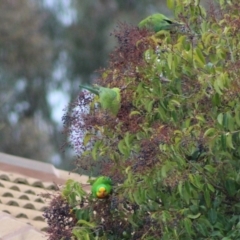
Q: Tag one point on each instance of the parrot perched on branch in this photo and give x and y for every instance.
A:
(102, 187)
(109, 98)
(157, 22)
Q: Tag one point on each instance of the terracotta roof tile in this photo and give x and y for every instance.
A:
(23, 201)
(22, 181)
(12, 229)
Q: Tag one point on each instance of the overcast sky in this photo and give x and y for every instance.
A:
(63, 8)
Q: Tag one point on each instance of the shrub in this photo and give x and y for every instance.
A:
(173, 150)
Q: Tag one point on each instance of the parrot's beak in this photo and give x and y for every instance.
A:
(102, 193)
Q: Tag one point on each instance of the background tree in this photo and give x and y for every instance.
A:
(25, 63)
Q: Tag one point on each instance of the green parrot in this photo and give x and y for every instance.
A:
(102, 187)
(109, 98)
(157, 22)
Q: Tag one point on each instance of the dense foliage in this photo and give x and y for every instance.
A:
(173, 150)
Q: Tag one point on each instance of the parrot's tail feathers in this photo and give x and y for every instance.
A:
(89, 88)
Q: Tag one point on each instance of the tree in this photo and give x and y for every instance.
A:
(25, 64)
(173, 150)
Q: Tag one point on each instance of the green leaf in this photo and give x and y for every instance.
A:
(210, 169)
(174, 116)
(180, 185)
(96, 149)
(212, 216)
(127, 139)
(186, 191)
(217, 87)
(191, 216)
(165, 168)
(175, 102)
(237, 116)
(229, 121)
(86, 223)
(199, 57)
(224, 141)
(217, 235)
(149, 105)
(123, 148)
(137, 197)
(210, 187)
(195, 180)
(209, 132)
(220, 118)
(135, 113)
(230, 186)
(188, 225)
(81, 233)
(170, 60)
(229, 141)
(207, 197)
(87, 138)
(200, 118)
(162, 113)
(225, 120)
(204, 225)
(165, 216)
(216, 100)
(202, 229)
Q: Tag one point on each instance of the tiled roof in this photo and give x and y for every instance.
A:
(13, 229)
(22, 181)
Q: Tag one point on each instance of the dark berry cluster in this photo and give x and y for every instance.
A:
(107, 216)
(130, 47)
(60, 219)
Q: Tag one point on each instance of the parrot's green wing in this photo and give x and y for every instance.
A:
(102, 187)
(157, 22)
(109, 98)
(103, 180)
